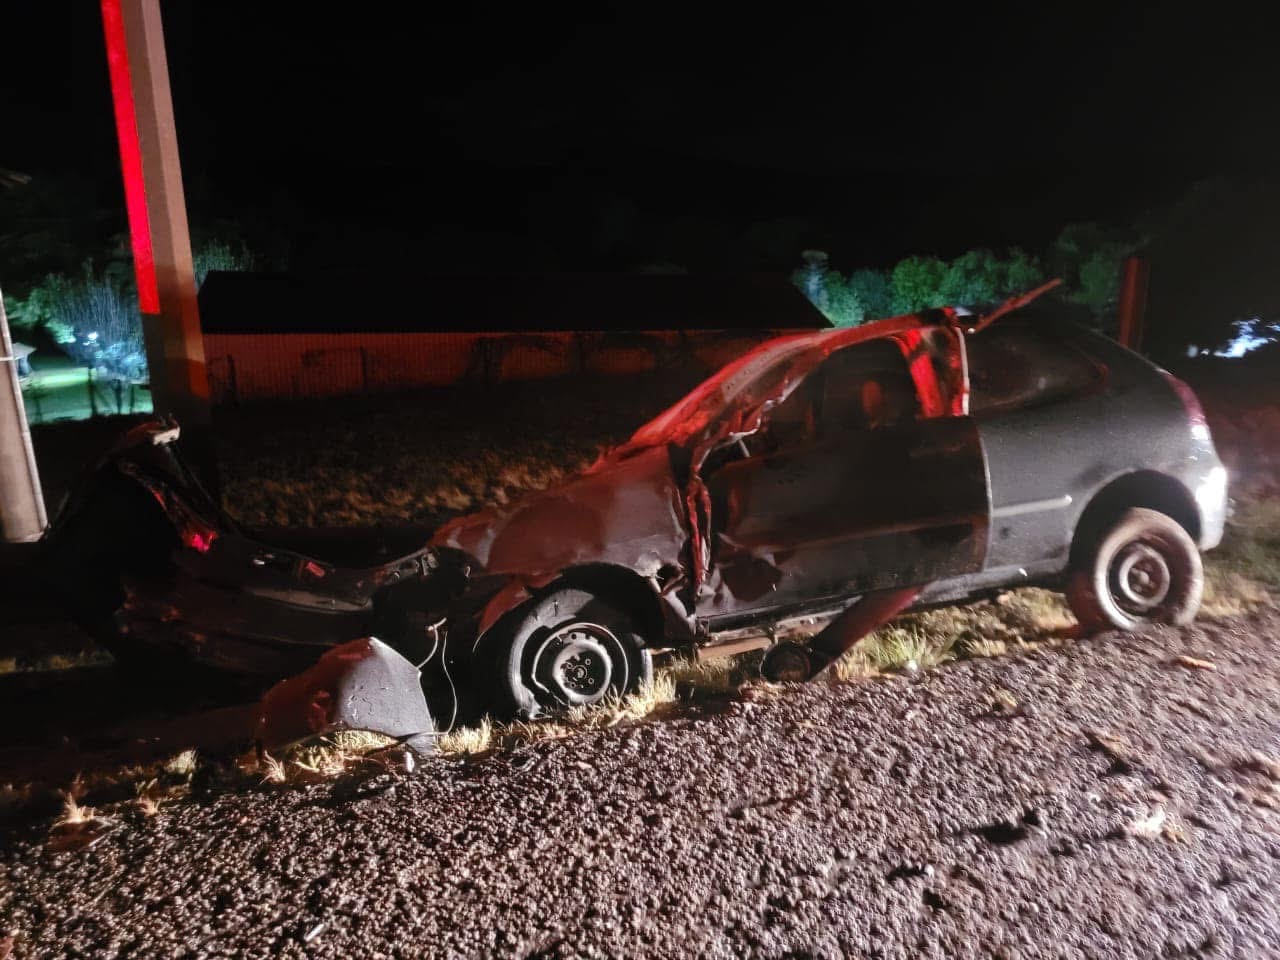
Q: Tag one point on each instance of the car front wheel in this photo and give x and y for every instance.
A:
(1144, 569)
(565, 649)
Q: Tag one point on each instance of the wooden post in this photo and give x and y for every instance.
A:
(22, 512)
(1133, 302)
(157, 211)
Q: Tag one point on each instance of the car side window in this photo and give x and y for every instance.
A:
(861, 387)
(1015, 367)
(866, 386)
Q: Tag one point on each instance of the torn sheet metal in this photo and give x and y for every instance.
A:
(625, 511)
(149, 562)
(361, 685)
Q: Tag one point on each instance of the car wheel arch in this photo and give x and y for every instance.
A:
(599, 598)
(630, 592)
(1149, 489)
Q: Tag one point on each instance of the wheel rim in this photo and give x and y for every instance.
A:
(579, 664)
(1140, 579)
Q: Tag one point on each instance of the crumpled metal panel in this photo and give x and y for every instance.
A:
(361, 685)
(647, 504)
(626, 512)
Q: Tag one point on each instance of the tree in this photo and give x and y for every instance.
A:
(828, 290)
(809, 278)
(1098, 280)
(50, 225)
(219, 255)
(873, 291)
(917, 284)
(1089, 261)
(107, 328)
(1021, 273)
(972, 279)
(844, 307)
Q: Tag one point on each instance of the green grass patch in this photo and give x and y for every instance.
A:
(1243, 574)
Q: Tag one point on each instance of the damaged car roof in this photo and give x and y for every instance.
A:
(768, 373)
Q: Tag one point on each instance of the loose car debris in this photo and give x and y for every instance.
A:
(1194, 663)
(361, 685)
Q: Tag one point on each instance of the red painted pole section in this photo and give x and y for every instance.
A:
(135, 196)
(1133, 302)
(139, 70)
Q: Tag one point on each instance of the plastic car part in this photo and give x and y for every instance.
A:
(360, 685)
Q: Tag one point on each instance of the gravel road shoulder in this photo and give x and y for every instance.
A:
(1112, 798)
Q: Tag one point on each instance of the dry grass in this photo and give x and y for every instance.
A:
(1242, 575)
(184, 764)
(715, 677)
(921, 641)
(150, 795)
(323, 758)
(1240, 578)
(320, 762)
(468, 740)
(73, 814)
(614, 711)
(89, 657)
(360, 742)
(1003, 700)
(907, 647)
(272, 770)
(1230, 594)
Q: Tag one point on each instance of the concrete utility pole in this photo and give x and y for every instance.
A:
(22, 513)
(154, 198)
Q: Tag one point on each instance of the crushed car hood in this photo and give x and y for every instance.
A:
(626, 510)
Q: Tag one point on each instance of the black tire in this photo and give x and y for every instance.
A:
(564, 649)
(787, 662)
(1144, 569)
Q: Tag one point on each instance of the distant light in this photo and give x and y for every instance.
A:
(93, 335)
(1250, 335)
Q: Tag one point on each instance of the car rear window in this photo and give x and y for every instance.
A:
(1014, 367)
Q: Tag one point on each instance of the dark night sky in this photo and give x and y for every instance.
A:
(656, 136)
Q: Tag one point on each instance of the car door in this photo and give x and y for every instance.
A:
(1042, 419)
(863, 479)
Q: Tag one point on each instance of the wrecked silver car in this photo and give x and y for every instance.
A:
(917, 460)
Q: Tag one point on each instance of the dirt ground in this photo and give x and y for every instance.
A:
(1102, 800)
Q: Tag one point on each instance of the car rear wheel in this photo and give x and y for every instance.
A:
(568, 648)
(1144, 569)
